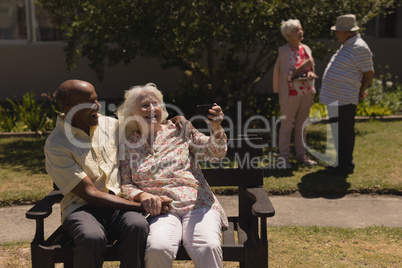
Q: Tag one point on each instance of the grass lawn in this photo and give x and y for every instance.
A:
(290, 247)
(378, 149)
(23, 177)
(377, 157)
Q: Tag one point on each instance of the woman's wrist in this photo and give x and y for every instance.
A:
(218, 133)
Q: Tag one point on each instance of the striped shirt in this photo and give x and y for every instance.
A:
(342, 77)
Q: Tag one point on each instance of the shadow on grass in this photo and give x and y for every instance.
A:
(23, 155)
(317, 140)
(278, 173)
(323, 184)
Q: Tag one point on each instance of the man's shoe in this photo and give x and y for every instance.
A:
(331, 168)
(339, 171)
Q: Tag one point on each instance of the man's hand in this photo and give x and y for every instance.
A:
(165, 204)
(153, 204)
(179, 121)
(183, 124)
(367, 77)
(362, 95)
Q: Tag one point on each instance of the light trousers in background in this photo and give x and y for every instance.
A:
(295, 113)
(91, 226)
(200, 230)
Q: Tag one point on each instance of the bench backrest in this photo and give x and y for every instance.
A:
(245, 152)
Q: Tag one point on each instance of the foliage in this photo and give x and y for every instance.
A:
(318, 110)
(363, 109)
(6, 120)
(29, 112)
(51, 108)
(384, 97)
(225, 48)
(26, 115)
(264, 104)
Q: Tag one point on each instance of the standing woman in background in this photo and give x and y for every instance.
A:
(294, 81)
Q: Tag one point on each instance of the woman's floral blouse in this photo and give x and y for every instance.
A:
(299, 87)
(170, 168)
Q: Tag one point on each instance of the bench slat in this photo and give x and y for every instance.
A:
(228, 236)
(233, 177)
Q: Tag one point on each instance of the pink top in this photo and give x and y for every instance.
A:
(299, 87)
(170, 168)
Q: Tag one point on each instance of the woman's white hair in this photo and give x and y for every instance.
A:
(288, 26)
(126, 110)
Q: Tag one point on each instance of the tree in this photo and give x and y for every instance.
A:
(225, 48)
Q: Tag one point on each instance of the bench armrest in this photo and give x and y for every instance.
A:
(262, 206)
(43, 208)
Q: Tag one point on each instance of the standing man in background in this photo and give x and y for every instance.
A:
(345, 80)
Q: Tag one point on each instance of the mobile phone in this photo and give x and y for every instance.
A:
(203, 109)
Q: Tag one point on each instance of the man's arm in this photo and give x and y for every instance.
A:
(367, 77)
(87, 191)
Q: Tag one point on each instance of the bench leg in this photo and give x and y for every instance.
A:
(41, 258)
(68, 265)
(256, 257)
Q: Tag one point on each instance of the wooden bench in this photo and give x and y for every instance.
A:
(245, 241)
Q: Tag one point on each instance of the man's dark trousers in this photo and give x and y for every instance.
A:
(91, 226)
(344, 134)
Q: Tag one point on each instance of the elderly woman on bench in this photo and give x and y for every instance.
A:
(158, 162)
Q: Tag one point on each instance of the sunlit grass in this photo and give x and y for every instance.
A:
(290, 247)
(335, 247)
(23, 178)
(377, 158)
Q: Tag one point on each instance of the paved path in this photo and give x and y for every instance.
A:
(349, 211)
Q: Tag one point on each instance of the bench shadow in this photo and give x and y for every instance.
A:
(323, 184)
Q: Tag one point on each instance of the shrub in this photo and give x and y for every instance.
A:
(27, 115)
(318, 110)
(6, 120)
(384, 97)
